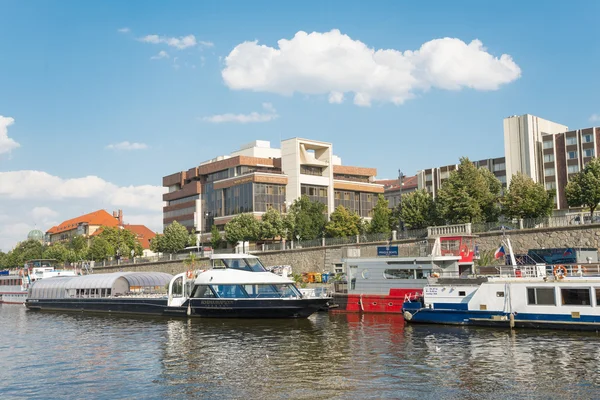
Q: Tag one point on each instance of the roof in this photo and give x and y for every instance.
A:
(143, 234)
(230, 276)
(231, 256)
(409, 182)
(100, 217)
(55, 288)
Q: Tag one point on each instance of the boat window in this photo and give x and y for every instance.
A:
(229, 291)
(541, 296)
(575, 297)
(598, 297)
(202, 291)
(270, 291)
(177, 290)
(255, 265)
(405, 274)
(462, 293)
(499, 294)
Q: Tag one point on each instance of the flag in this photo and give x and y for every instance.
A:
(567, 253)
(500, 252)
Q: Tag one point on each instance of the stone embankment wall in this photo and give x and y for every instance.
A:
(322, 259)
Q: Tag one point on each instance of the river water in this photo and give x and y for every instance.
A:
(341, 356)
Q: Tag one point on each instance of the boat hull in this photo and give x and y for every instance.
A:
(414, 313)
(199, 308)
(372, 303)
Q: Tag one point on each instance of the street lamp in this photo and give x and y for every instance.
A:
(400, 183)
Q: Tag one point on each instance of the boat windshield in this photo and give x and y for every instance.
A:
(245, 264)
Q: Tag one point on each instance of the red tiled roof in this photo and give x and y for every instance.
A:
(409, 182)
(100, 217)
(143, 233)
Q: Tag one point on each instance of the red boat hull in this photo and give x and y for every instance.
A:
(374, 303)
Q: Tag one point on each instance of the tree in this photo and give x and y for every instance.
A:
(380, 223)
(468, 195)
(78, 243)
(3, 260)
(191, 261)
(271, 225)
(583, 189)
(307, 219)
(242, 228)
(121, 241)
(526, 199)
(100, 249)
(215, 237)
(157, 244)
(27, 250)
(57, 251)
(417, 210)
(175, 238)
(343, 223)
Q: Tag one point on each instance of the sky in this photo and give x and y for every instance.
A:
(100, 100)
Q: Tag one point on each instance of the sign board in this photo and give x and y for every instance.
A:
(387, 251)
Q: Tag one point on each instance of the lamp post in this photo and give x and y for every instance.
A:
(400, 184)
(204, 229)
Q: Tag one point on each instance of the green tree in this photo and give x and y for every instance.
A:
(491, 202)
(122, 241)
(27, 250)
(343, 223)
(3, 260)
(57, 251)
(157, 244)
(308, 219)
(175, 238)
(526, 199)
(215, 237)
(583, 189)
(242, 228)
(380, 223)
(417, 210)
(271, 225)
(100, 249)
(191, 261)
(468, 195)
(78, 243)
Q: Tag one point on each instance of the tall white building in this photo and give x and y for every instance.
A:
(523, 147)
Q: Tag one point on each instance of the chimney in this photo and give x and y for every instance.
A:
(121, 217)
(114, 214)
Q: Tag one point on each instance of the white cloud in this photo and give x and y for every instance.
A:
(38, 199)
(593, 118)
(336, 97)
(161, 54)
(124, 30)
(269, 115)
(127, 146)
(333, 63)
(6, 144)
(182, 42)
(206, 44)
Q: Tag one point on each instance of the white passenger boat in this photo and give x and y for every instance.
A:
(539, 296)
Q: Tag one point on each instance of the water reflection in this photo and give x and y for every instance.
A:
(326, 356)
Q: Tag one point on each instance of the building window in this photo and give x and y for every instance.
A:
(541, 296)
(548, 144)
(588, 153)
(575, 297)
(550, 185)
(337, 195)
(444, 175)
(502, 178)
(323, 192)
(428, 177)
(571, 169)
(549, 172)
(310, 170)
(548, 157)
(572, 155)
(588, 138)
(499, 167)
(346, 195)
(571, 140)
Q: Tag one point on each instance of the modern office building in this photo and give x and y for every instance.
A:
(523, 144)
(565, 154)
(257, 177)
(432, 179)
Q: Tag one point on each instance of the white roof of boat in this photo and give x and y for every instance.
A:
(100, 281)
(231, 256)
(229, 276)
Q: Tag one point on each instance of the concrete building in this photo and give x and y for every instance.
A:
(392, 190)
(523, 144)
(257, 176)
(432, 179)
(565, 154)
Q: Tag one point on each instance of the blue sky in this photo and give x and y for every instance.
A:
(73, 84)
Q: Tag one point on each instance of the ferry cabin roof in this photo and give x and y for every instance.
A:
(99, 285)
(236, 277)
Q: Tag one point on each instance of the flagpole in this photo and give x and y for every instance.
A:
(506, 240)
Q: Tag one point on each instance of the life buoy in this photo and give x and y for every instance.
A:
(560, 268)
(435, 275)
(190, 274)
(582, 269)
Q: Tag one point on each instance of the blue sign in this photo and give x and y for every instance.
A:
(387, 251)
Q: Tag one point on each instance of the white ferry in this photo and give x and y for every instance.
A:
(540, 296)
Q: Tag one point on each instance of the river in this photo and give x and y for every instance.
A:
(341, 356)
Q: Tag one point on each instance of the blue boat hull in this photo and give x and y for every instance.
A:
(415, 313)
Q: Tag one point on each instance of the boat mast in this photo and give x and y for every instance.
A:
(506, 241)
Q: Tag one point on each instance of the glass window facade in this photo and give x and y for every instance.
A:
(177, 213)
(310, 170)
(549, 172)
(314, 193)
(548, 157)
(571, 169)
(572, 155)
(588, 153)
(238, 199)
(588, 138)
(571, 140)
(548, 144)
(183, 200)
(268, 195)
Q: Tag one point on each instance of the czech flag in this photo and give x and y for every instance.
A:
(567, 253)
(500, 252)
